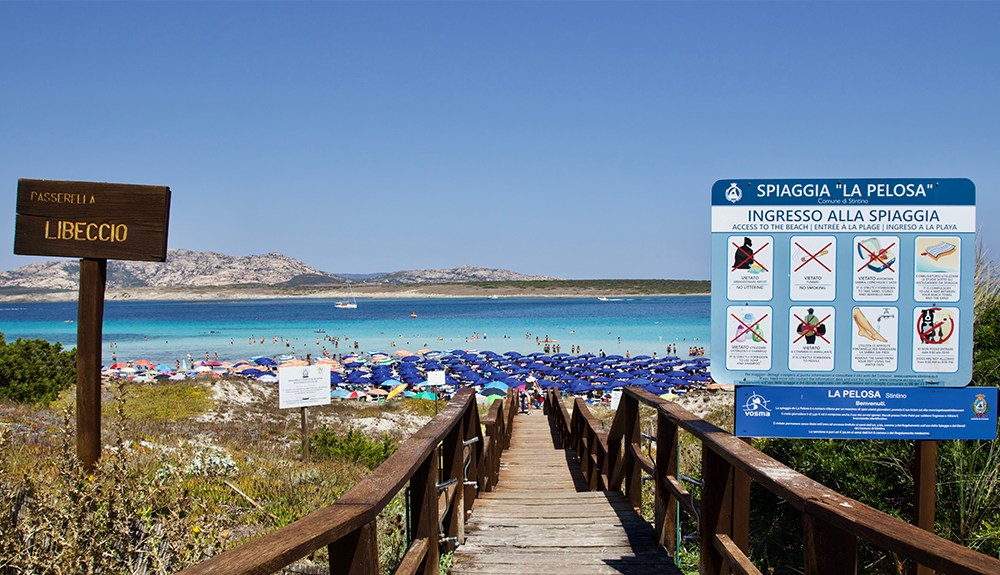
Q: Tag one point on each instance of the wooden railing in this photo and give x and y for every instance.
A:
(446, 464)
(831, 523)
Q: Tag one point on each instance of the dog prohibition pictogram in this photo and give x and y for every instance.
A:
(934, 332)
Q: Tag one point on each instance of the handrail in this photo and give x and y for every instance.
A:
(831, 522)
(347, 527)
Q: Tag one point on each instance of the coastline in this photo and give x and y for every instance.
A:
(409, 291)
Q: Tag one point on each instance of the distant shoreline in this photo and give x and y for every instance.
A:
(414, 291)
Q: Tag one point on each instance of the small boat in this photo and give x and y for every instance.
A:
(414, 314)
(602, 298)
(350, 303)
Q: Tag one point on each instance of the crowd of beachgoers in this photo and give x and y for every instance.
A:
(381, 376)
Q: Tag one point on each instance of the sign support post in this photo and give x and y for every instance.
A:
(924, 489)
(305, 436)
(90, 318)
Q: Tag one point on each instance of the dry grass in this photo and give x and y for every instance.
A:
(166, 491)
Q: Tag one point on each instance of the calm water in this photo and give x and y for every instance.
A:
(168, 331)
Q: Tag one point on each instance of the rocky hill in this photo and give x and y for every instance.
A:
(188, 268)
(453, 275)
(182, 268)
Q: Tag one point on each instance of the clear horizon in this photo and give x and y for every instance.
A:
(576, 140)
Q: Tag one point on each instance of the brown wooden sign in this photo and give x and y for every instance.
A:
(92, 220)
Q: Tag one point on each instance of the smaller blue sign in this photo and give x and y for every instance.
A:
(847, 412)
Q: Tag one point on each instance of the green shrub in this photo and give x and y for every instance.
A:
(354, 447)
(875, 472)
(35, 371)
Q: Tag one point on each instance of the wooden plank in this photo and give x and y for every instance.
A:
(413, 559)
(607, 567)
(483, 520)
(735, 557)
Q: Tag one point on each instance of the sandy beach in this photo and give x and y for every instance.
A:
(420, 291)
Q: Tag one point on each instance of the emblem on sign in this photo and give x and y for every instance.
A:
(980, 407)
(734, 194)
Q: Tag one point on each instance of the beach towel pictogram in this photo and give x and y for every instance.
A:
(939, 250)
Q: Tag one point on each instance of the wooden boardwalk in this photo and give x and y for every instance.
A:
(542, 519)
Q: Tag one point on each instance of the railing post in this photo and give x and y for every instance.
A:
(741, 507)
(716, 509)
(633, 436)
(453, 448)
(924, 490)
(356, 553)
(424, 510)
(664, 506)
(474, 476)
(827, 549)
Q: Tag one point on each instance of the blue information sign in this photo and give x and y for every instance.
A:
(843, 282)
(835, 412)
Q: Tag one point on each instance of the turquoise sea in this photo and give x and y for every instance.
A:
(165, 332)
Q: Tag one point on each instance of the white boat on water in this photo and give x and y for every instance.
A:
(350, 303)
(602, 298)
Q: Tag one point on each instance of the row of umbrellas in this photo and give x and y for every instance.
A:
(379, 375)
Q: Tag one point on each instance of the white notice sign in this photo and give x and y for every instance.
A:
(303, 386)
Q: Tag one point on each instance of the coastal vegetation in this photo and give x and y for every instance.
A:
(186, 472)
(34, 370)
(605, 287)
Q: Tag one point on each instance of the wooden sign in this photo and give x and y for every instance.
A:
(92, 220)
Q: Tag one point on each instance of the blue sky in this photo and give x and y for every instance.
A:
(578, 140)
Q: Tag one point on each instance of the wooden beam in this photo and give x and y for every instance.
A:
(90, 320)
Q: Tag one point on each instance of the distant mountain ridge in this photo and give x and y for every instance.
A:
(454, 275)
(192, 268)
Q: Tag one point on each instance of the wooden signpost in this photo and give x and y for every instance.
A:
(95, 222)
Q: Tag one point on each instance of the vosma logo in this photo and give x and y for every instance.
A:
(756, 406)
